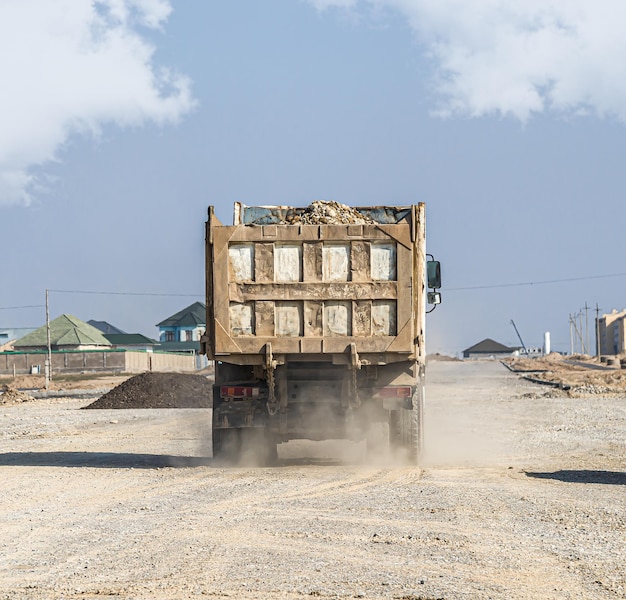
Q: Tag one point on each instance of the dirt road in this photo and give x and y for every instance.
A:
(519, 497)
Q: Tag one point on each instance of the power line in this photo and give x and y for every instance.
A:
(104, 293)
(19, 307)
(544, 282)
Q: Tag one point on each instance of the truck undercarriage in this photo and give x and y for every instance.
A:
(317, 401)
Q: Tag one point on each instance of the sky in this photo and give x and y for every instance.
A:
(123, 120)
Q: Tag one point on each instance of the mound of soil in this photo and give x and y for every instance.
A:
(12, 396)
(159, 390)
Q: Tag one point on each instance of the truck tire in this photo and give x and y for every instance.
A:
(416, 425)
(406, 429)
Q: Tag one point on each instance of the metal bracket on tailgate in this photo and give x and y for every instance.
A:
(355, 364)
(270, 367)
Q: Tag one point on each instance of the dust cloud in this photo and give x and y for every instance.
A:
(463, 433)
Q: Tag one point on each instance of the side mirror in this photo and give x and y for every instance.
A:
(433, 272)
(433, 298)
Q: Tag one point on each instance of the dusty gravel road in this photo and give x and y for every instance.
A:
(518, 498)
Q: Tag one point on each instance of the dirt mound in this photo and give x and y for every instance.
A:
(12, 396)
(580, 375)
(159, 390)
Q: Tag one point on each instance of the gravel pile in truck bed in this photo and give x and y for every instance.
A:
(328, 212)
(159, 390)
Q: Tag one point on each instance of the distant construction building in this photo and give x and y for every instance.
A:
(611, 330)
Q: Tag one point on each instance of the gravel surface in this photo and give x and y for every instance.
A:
(520, 496)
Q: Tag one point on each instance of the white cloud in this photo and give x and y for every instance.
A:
(71, 66)
(519, 58)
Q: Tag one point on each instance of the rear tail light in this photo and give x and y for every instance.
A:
(395, 391)
(239, 391)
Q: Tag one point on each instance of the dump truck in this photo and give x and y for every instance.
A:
(315, 323)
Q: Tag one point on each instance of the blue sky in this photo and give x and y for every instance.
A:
(124, 119)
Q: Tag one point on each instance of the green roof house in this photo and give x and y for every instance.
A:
(131, 341)
(186, 325)
(66, 333)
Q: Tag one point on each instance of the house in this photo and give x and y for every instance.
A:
(105, 327)
(489, 348)
(9, 334)
(77, 347)
(181, 332)
(187, 325)
(66, 333)
(132, 341)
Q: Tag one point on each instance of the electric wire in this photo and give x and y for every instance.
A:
(106, 293)
(20, 307)
(526, 283)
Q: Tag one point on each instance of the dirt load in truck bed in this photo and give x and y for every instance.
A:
(159, 390)
(328, 212)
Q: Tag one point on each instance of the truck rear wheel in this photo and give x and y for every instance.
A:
(416, 425)
(406, 429)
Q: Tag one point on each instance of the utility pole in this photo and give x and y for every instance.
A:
(576, 331)
(597, 332)
(48, 363)
(580, 331)
(571, 336)
(587, 327)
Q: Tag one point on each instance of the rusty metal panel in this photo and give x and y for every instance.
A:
(336, 262)
(362, 318)
(312, 261)
(313, 318)
(384, 318)
(264, 318)
(256, 346)
(383, 261)
(355, 230)
(405, 298)
(263, 262)
(288, 319)
(360, 261)
(419, 279)
(241, 262)
(311, 345)
(247, 292)
(309, 233)
(341, 345)
(337, 318)
(241, 318)
(287, 262)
